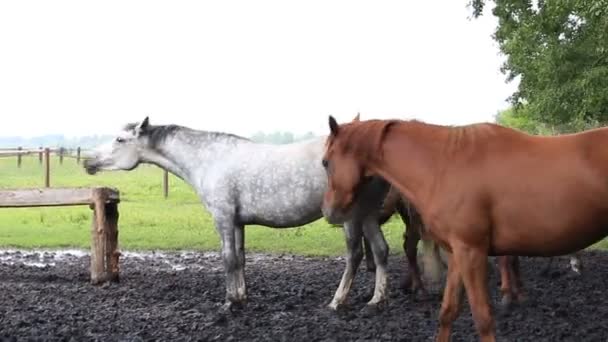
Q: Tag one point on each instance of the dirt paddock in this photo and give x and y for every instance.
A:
(45, 296)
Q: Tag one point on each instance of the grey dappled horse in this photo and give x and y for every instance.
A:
(241, 183)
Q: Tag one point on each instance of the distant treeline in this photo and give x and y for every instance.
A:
(58, 140)
(54, 140)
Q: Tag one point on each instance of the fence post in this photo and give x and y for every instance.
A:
(40, 155)
(61, 151)
(47, 167)
(166, 183)
(19, 156)
(78, 155)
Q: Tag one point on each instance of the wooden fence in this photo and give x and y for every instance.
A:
(44, 158)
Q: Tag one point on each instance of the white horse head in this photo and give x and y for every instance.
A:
(124, 152)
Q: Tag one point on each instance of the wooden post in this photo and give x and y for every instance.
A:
(61, 151)
(104, 239)
(40, 155)
(166, 183)
(47, 167)
(112, 253)
(78, 155)
(19, 156)
(98, 238)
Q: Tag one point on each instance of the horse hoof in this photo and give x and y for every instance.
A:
(374, 309)
(522, 299)
(405, 284)
(232, 307)
(338, 307)
(506, 301)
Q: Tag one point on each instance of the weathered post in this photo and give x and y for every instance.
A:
(166, 183)
(78, 155)
(40, 155)
(61, 152)
(47, 167)
(104, 239)
(98, 237)
(112, 253)
(19, 156)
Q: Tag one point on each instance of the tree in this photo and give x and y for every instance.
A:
(559, 50)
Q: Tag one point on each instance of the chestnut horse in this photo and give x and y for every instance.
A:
(511, 287)
(481, 189)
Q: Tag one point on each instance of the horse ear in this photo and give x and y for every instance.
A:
(356, 119)
(333, 126)
(143, 126)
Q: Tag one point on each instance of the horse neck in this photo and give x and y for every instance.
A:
(411, 160)
(189, 154)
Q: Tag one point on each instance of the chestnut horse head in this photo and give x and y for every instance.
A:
(344, 163)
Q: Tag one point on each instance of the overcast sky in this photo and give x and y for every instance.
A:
(86, 67)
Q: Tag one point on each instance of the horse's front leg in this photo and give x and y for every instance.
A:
(372, 232)
(354, 254)
(233, 265)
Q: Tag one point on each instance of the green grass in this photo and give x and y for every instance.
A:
(148, 221)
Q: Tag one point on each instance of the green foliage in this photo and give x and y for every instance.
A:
(559, 51)
(147, 220)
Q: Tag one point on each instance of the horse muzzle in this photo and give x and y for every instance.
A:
(91, 166)
(334, 215)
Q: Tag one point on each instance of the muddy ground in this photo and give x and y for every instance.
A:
(173, 297)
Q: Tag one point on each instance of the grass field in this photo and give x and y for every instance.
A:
(148, 221)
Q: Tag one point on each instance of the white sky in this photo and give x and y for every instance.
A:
(84, 67)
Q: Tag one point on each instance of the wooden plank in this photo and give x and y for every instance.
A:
(15, 198)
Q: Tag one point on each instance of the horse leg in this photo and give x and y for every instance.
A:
(575, 263)
(451, 305)
(432, 265)
(474, 270)
(354, 255)
(504, 263)
(372, 232)
(518, 286)
(239, 235)
(369, 256)
(235, 278)
(411, 281)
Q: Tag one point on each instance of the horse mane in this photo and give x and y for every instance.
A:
(355, 137)
(157, 134)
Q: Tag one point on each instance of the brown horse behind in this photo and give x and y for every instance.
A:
(481, 190)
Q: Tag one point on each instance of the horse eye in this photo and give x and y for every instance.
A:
(120, 140)
(325, 163)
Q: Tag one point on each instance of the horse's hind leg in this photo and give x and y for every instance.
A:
(369, 256)
(372, 232)
(354, 255)
(504, 263)
(412, 280)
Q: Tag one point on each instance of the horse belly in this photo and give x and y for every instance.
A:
(548, 232)
(282, 209)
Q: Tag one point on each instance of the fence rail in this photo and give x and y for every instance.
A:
(44, 157)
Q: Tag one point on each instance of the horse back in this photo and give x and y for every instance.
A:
(535, 195)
